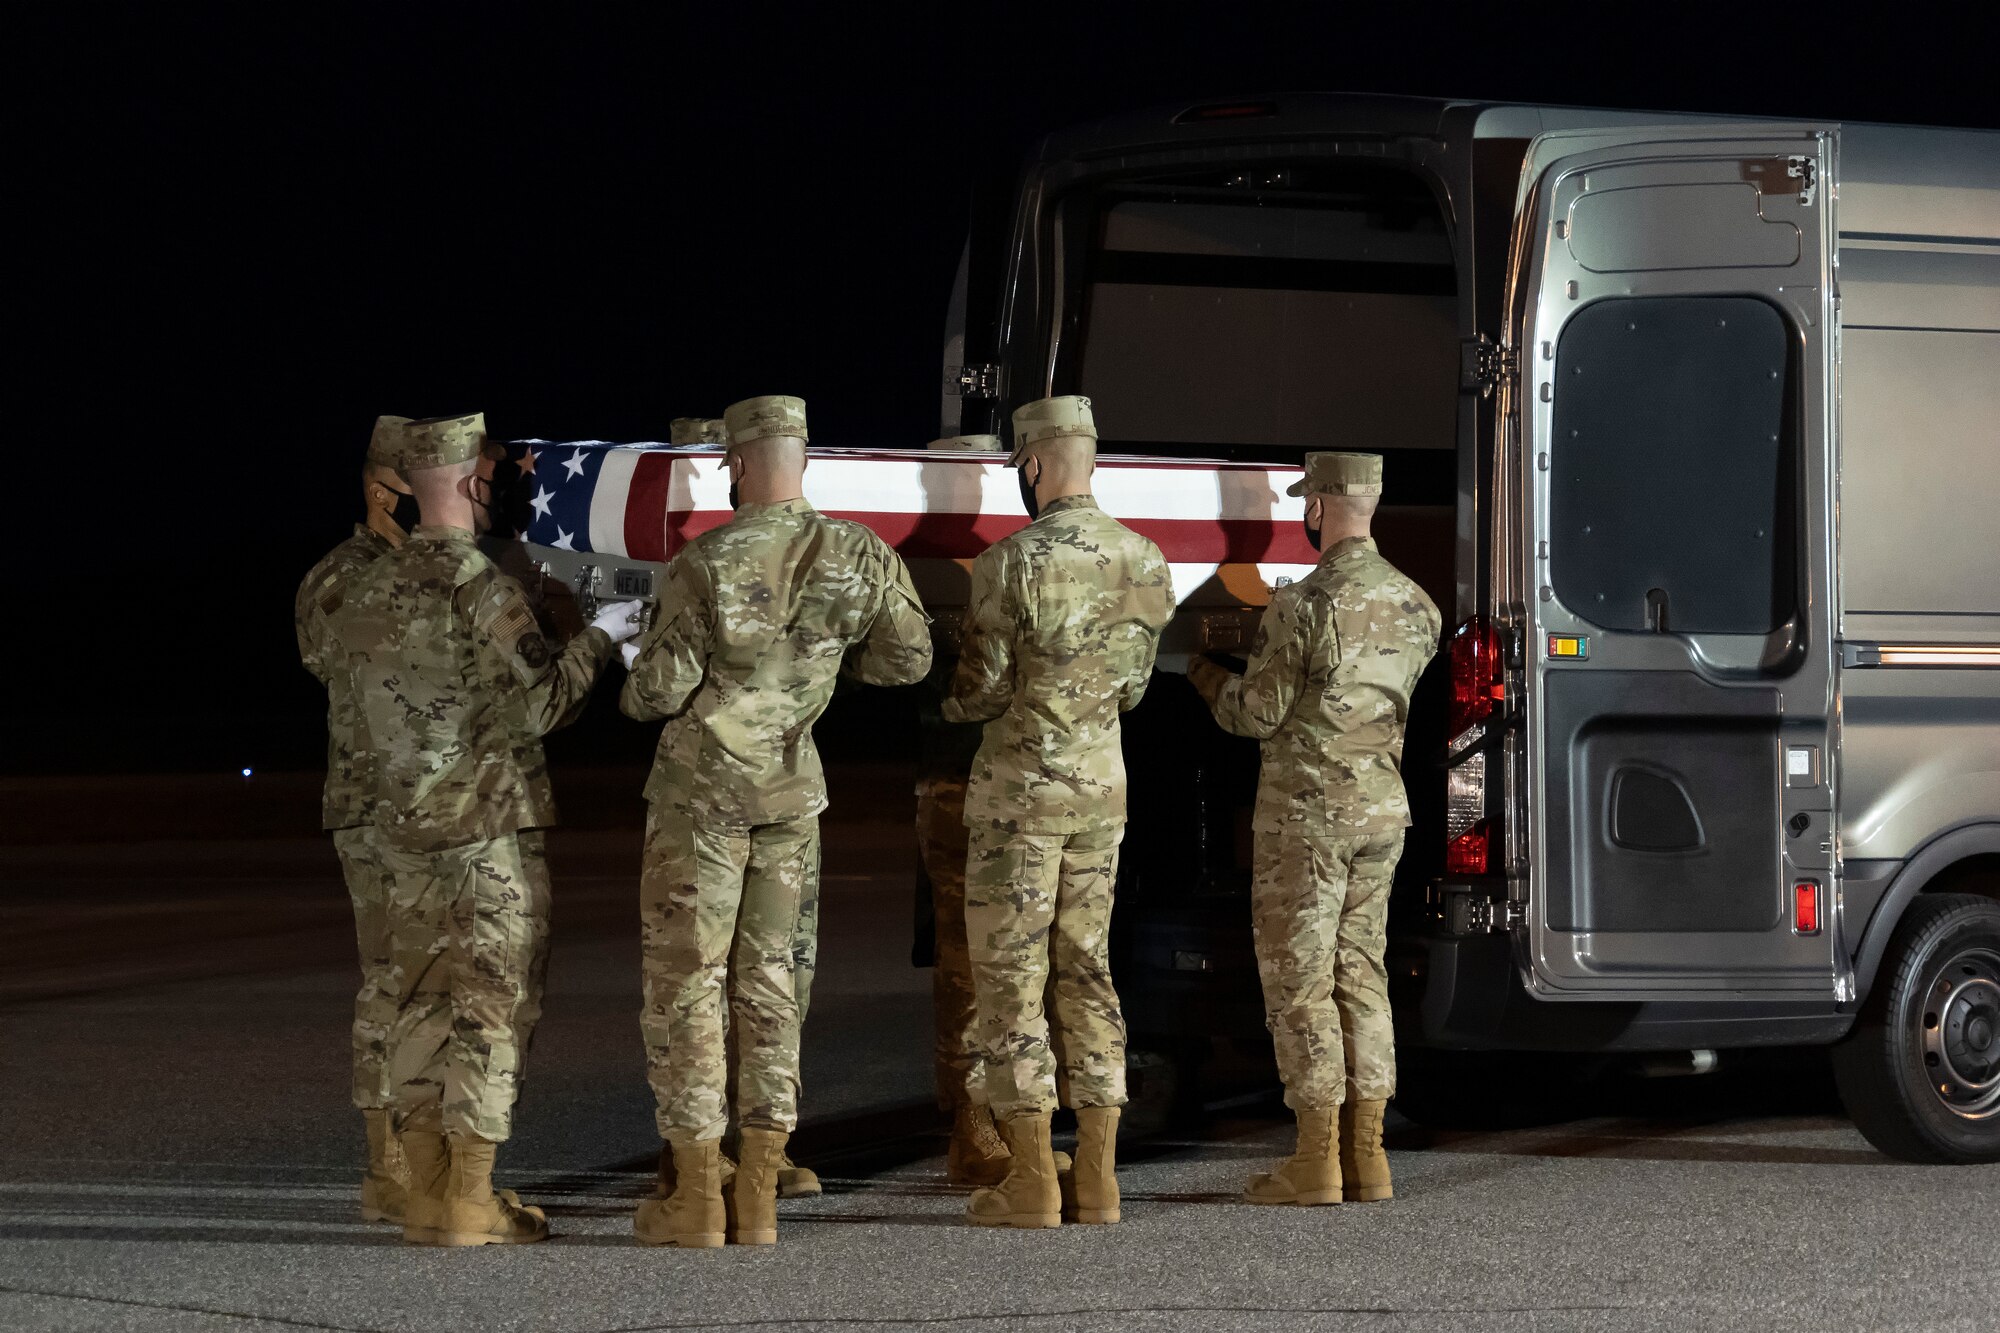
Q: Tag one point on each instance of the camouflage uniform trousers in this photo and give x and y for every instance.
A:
(1319, 912)
(1038, 922)
(941, 841)
(723, 915)
(805, 964)
(375, 1003)
(469, 936)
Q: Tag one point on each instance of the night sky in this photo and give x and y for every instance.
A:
(250, 232)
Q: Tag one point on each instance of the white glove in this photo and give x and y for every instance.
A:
(630, 652)
(619, 619)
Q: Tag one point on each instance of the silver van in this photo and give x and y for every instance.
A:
(1692, 427)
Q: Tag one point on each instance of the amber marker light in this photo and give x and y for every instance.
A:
(1940, 654)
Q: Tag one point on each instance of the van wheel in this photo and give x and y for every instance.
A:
(1920, 1073)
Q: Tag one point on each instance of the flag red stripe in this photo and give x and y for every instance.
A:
(646, 505)
(1191, 541)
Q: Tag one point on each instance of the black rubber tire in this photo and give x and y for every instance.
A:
(1880, 1066)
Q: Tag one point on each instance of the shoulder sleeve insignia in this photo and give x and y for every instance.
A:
(330, 594)
(516, 631)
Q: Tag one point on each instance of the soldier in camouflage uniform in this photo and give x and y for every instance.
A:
(1061, 631)
(457, 685)
(695, 430)
(345, 811)
(1327, 691)
(794, 1181)
(756, 620)
(976, 1156)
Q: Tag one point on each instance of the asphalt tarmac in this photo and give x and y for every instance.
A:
(177, 1152)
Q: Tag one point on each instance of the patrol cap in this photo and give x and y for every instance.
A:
(696, 430)
(988, 443)
(1339, 474)
(764, 418)
(439, 442)
(382, 440)
(1047, 418)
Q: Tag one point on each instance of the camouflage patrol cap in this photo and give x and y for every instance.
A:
(764, 418)
(988, 443)
(1048, 418)
(696, 430)
(1339, 474)
(382, 440)
(439, 442)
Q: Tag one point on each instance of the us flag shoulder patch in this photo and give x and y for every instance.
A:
(330, 594)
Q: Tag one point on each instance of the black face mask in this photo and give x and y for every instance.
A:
(735, 496)
(407, 512)
(1312, 535)
(1028, 500)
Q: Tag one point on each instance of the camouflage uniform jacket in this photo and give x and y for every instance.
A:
(756, 621)
(1060, 634)
(457, 687)
(344, 802)
(1328, 692)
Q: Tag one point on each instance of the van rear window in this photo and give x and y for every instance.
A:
(1263, 311)
(1673, 476)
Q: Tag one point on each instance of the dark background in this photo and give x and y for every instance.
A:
(248, 231)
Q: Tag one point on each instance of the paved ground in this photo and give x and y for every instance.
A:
(177, 1154)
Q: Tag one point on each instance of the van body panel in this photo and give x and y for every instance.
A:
(1673, 315)
(1921, 756)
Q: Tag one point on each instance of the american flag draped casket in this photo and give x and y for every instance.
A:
(1228, 529)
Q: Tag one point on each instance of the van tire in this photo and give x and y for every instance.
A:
(1930, 1020)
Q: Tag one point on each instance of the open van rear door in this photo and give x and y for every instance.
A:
(1673, 315)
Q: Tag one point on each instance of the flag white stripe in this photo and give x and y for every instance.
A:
(969, 486)
(607, 502)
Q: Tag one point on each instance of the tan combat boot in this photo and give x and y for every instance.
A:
(1029, 1195)
(1311, 1175)
(795, 1181)
(477, 1214)
(1090, 1187)
(427, 1159)
(753, 1196)
(664, 1187)
(385, 1188)
(976, 1156)
(689, 1212)
(1364, 1167)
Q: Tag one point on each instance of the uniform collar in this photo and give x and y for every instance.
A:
(1345, 545)
(1085, 501)
(441, 532)
(801, 505)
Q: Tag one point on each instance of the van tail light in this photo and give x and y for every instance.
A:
(1471, 852)
(1805, 907)
(1478, 680)
(1478, 685)
(1464, 795)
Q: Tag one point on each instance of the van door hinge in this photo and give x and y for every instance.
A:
(1461, 909)
(972, 381)
(1806, 171)
(1483, 364)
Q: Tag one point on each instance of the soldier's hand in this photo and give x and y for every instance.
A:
(619, 619)
(629, 652)
(1205, 676)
